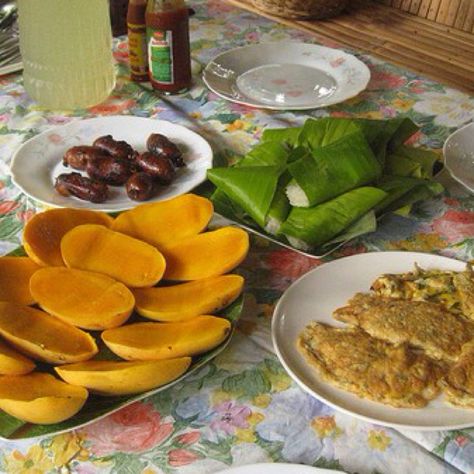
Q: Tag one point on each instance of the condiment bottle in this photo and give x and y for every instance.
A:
(169, 60)
(66, 47)
(137, 47)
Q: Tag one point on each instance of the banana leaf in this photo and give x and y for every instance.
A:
(367, 223)
(316, 225)
(288, 136)
(395, 187)
(426, 190)
(280, 206)
(252, 188)
(265, 154)
(332, 170)
(416, 162)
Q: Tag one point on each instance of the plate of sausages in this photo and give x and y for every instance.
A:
(111, 163)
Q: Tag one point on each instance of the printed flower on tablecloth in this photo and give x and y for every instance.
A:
(300, 442)
(133, 429)
(287, 265)
(459, 451)
(112, 107)
(450, 109)
(384, 80)
(35, 461)
(378, 440)
(455, 225)
(228, 416)
(181, 457)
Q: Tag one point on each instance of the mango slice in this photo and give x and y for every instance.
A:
(44, 337)
(154, 341)
(188, 300)
(40, 398)
(84, 299)
(206, 255)
(106, 377)
(98, 249)
(12, 362)
(15, 274)
(165, 222)
(43, 232)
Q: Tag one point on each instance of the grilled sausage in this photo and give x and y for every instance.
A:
(161, 145)
(75, 184)
(157, 166)
(140, 186)
(77, 157)
(109, 170)
(116, 148)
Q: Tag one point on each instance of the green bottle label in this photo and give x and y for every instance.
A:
(160, 55)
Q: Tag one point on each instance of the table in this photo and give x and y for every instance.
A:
(243, 408)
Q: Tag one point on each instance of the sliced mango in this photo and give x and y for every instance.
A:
(43, 232)
(165, 222)
(206, 255)
(154, 341)
(84, 299)
(44, 337)
(106, 377)
(12, 362)
(40, 398)
(188, 300)
(15, 274)
(98, 249)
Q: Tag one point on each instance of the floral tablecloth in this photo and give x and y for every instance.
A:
(243, 407)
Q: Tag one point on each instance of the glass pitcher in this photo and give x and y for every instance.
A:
(66, 48)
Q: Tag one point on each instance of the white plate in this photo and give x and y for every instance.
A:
(39, 160)
(458, 154)
(278, 468)
(286, 76)
(315, 296)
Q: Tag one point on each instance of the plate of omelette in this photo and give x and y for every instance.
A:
(387, 337)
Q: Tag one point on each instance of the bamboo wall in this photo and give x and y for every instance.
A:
(456, 13)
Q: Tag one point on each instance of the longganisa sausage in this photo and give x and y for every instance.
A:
(109, 170)
(161, 145)
(157, 166)
(140, 186)
(77, 157)
(116, 148)
(82, 187)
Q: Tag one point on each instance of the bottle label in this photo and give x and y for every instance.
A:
(137, 49)
(160, 55)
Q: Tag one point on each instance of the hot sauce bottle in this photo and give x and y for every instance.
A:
(137, 44)
(169, 60)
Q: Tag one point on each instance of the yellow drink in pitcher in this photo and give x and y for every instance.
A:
(66, 48)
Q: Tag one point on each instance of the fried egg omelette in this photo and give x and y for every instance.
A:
(454, 290)
(428, 326)
(371, 368)
(458, 385)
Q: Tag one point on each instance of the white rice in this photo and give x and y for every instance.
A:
(296, 195)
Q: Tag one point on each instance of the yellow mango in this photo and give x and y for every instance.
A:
(98, 249)
(206, 255)
(43, 232)
(12, 362)
(15, 274)
(162, 223)
(40, 398)
(106, 377)
(44, 337)
(154, 341)
(188, 300)
(84, 299)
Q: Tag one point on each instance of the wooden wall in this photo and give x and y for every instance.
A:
(456, 13)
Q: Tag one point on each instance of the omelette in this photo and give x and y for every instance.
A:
(458, 384)
(454, 290)
(352, 360)
(428, 326)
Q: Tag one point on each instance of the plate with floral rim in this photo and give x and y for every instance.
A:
(38, 162)
(286, 76)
